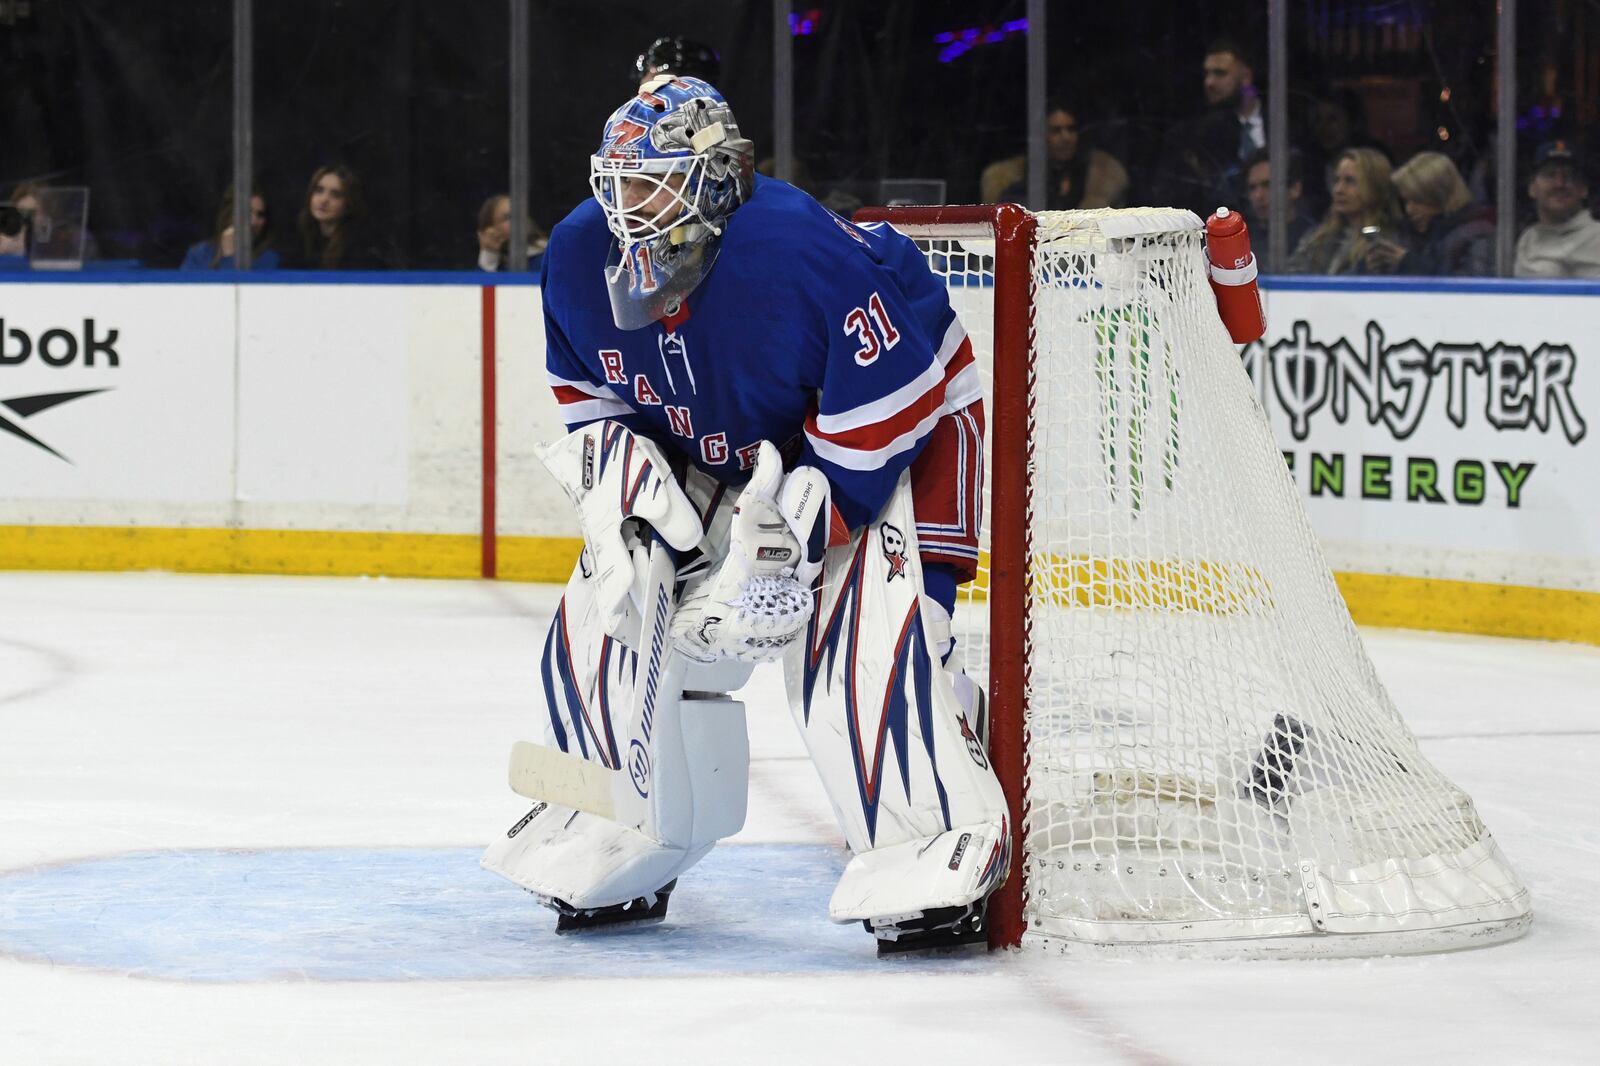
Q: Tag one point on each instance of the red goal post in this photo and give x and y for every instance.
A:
(1011, 228)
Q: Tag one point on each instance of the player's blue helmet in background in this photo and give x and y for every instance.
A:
(671, 169)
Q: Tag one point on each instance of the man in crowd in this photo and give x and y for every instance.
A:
(1202, 159)
(1565, 241)
(1258, 182)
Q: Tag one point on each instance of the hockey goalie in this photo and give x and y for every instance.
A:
(775, 452)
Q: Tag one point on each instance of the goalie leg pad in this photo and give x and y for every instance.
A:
(695, 777)
(583, 861)
(612, 477)
(884, 727)
(894, 886)
(679, 785)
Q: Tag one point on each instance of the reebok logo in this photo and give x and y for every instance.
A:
(53, 348)
(57, 347)
(27, 406)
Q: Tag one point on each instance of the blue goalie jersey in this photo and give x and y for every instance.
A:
(832, 340)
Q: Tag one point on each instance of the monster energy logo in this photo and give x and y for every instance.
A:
(1130, 354)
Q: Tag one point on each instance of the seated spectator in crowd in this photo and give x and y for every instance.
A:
(1233, 101)
(217, 253)
(13, 232)
(1454, 236)
(1336, 122)
(333, 229)
(1258, 188)
(494, 235)
(27, 200)
(1202, 159)
(1565, 240)
(1079, 176)
(1364, 208)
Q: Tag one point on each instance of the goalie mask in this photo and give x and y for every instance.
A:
(671, 169)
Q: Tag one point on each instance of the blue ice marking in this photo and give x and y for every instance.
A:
(404, 914)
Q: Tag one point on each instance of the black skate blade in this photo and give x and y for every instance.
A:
(570, 920)
(611, 918)
(934, 940)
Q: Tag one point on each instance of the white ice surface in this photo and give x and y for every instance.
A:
(154, 722)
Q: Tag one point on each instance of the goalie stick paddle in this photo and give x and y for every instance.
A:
(550, 774)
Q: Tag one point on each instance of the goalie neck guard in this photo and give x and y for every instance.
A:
(670, 170)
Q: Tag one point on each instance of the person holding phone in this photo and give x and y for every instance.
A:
(1452, 236)
(1364, 213)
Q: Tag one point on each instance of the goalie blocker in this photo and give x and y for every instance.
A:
(637, 781)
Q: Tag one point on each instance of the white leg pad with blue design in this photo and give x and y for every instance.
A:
(904, 771)
(897, 881)
(678, 767)
(697, 791)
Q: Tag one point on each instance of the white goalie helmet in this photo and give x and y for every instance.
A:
(670, 170)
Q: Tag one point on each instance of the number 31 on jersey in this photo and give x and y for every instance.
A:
(872, 329)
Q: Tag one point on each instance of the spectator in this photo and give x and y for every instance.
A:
(1564, 242)
(43, 226)
(679, 55)
(1202, 160)
(1079, 176)
(1231, 93)
(13, 232)
(494, 234)
(217, 253)
(1338, 122)
(1364, 207)
(1258, 185)
(25, 198)
(1455, 237)
(333, 229)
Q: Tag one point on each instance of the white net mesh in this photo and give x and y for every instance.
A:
(1210, 754)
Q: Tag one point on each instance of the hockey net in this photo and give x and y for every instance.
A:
(1199, 754)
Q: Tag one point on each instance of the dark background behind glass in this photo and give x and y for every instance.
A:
(134, 100)
(133, 97)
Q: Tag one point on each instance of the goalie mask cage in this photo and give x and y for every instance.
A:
(1198, 754)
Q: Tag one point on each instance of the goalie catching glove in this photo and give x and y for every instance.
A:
(758, 599)
(612, 476)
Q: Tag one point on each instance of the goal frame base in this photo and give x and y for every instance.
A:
(1302, 946)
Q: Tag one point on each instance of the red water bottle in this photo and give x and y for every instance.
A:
(1233, 276)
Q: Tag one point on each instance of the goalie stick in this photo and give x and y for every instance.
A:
(540, 772)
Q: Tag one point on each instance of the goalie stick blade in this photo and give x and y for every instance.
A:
(550, 774)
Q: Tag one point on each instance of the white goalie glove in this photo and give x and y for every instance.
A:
(757, 601)
(613, 475)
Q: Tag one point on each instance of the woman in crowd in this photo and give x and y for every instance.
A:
(217, 253)
(494, 235)
(1079, 176)
(333, 229)
(1364, 210)
(1455, 237)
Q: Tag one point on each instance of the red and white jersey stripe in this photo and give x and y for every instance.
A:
(584, 401)
(867, 437)
(947, 491)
